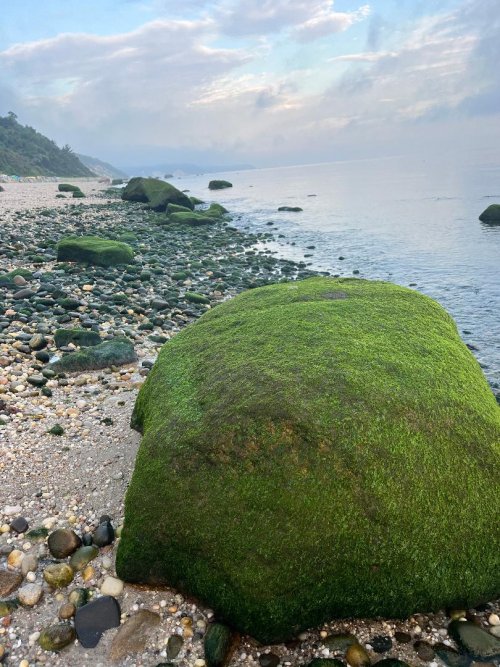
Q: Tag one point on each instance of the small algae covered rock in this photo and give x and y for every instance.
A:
(175, 208)
(218, 642)
(336, 448)
(114, 352)
(292, 209)
(94, 250)
(193, 218)
(219, 185)
(155, 193)
(58, 575)
(491, 215)
(56, 637)
(82, 557)
(215, 211)
(78, 194)
(194, 297)
(357, 656)
(82, 337)
(67, 187)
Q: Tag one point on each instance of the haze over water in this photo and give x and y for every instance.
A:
(391, 220)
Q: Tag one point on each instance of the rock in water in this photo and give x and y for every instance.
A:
(491, 215)
(475, 641)
(133, 634)
(309, 428)
(219, 185)
(94, 618)
(155, 193)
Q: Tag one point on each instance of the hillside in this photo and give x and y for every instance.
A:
(26, 152)
(101, 168)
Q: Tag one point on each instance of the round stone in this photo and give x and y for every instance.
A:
(357, 656)
(82, 557)
(56, 637)
(19, 525)
(104, 534)
(58, 575)
(112, 586)
(29, 594)
(381, 643)
(63, 542)
(269, 660)
(66, 611)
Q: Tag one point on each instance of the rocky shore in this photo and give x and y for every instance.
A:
(67, 451)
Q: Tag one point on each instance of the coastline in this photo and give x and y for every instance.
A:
(70, 480)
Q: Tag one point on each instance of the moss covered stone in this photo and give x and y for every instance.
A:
(67, 187)
(175, 208)
(82, 337)
(216, 210)
(219, 185)
(94, 250)
(155, 193)
(335, 446)
(114, 352)
(491, 215)
(193, 219)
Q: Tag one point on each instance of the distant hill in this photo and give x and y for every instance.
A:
(101, 168)
(184, 169)
(26, 152)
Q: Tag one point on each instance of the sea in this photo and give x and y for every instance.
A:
(414, 223)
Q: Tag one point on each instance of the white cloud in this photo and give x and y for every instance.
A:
(327, 21)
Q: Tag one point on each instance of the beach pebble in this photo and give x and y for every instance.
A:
(112, 586)
(29, 594)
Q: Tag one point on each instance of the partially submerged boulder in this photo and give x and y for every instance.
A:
(219, 185)
(157, 194)
(67, 187)
(491, 215)
(335, 446)
(94, 250)
(291, 209)
(81, 337)
(114, 352)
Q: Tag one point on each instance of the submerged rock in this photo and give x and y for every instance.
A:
(114, 352)
(491, 215)
(155, 193)
(307, 436)
(219, 185)
(94, 250)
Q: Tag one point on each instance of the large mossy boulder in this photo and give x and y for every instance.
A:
(155, 193)
(491, 215)
(115, 352)
(335, 449)
(94, 250)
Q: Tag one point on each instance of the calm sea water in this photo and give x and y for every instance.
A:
(412, 224)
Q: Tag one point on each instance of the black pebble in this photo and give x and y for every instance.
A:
(19, 525)
(87, 539)
(381, 643)
(268, 660)
(104, 534)
(94, 618)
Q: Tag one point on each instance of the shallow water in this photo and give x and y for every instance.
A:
(408, 223)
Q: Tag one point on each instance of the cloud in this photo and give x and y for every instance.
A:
(309, 19)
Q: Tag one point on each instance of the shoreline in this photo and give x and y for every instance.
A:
(69, 481)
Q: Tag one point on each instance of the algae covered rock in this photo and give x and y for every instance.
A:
(491, 215)
(193, 219)
(155, 193)
(67, 187)
(114, 352)
(219, 185)
(94, 250)
(335, 446)
(82, 337)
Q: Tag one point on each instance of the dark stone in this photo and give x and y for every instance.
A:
(474, 641)
(174, 645)
(392, 662)
(269, 660)
(218, 644)
(104, 534)
(19, 525)
(381, 643)
(451, 657)
(424, 650)
(94, 618)
(87, 539)
(25, 293)
(402, 637)
(63, 542)
(326, 662)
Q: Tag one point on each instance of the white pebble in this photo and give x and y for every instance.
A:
(494, 619)
(112, 586)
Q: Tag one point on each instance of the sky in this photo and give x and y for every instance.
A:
(264, 82)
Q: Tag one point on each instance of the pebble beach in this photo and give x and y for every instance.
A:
(67, 450)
